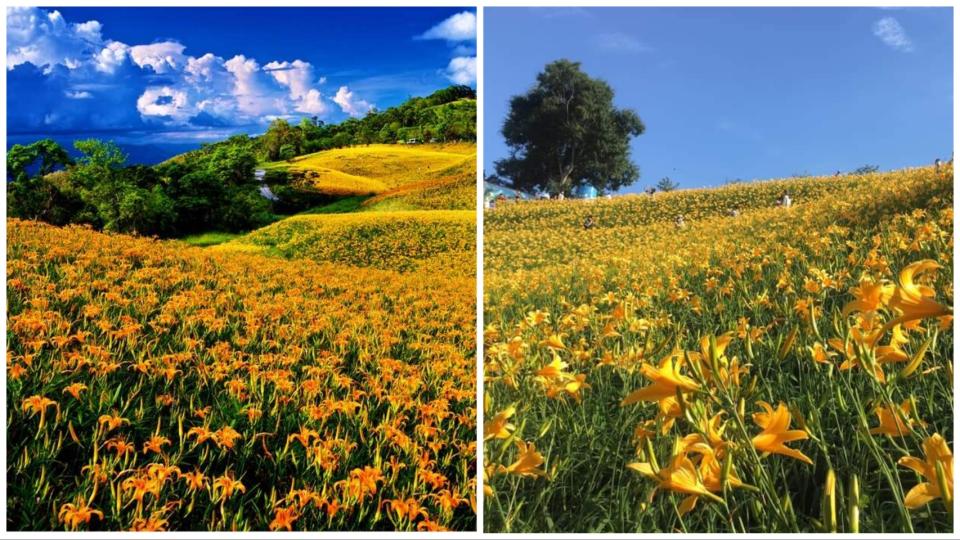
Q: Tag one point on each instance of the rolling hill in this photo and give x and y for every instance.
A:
(389, 171)
(400, 241)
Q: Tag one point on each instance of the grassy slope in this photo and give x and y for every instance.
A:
(425, 220)
(377, 168)
(387, 240)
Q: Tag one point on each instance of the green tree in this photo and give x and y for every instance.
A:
(866, 169)
(566, 132)
(287, 152)
(278, 134)
(145, 211)
(666, 184)
(49, 154)
(32, 195)
(100, 179)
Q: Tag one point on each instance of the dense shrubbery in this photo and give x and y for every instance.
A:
(200, 191)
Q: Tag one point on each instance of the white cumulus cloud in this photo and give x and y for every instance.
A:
(892, 33)
(462, 70)
(313, 103)
(350, 104)
(296, 75)
(82, 79)
(111, 57)
(204, 69)
(162, 57)
(165, 102)
(459, 27)
(251, 88)
(44, 38)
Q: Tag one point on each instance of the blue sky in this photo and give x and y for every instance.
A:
(744, 93)
(181, 75)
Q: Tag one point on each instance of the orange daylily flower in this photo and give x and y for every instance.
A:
(776, 432)
(283, 518)
(936, 454)
(499, 426)
(75, 389)
(891, 420)
(916, 301)
(666, 380)
(528, 461)
(39, 404)
(75, 514)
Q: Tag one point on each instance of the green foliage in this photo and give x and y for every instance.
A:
(446, 115)
(213, 188)
(30, 195)
(866, 169)
(279, 136)
(211, 238)
(666, 184)
(341, 206)
(566, 132)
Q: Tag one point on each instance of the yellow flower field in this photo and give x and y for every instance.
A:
(379, 168)
(399, 241)
(156, 386)
(779, 370)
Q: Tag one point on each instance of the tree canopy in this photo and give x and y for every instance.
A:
(666, 184)
(201, 191)
(446, 115)
(566, 132)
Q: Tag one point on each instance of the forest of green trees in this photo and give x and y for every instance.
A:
(446, 115)
(203, 191)
(212, 188)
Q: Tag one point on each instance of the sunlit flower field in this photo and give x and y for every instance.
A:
(154, 386)
(756, 369)
(404, 241)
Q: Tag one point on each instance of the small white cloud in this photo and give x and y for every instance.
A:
(312, 103)
(459, 27)
(462, 70)
(890, 32)
(620, 42)
(349, 104)
(88, 31)
(110, 57)
(163, 57)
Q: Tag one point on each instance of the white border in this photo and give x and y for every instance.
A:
(479, 5)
